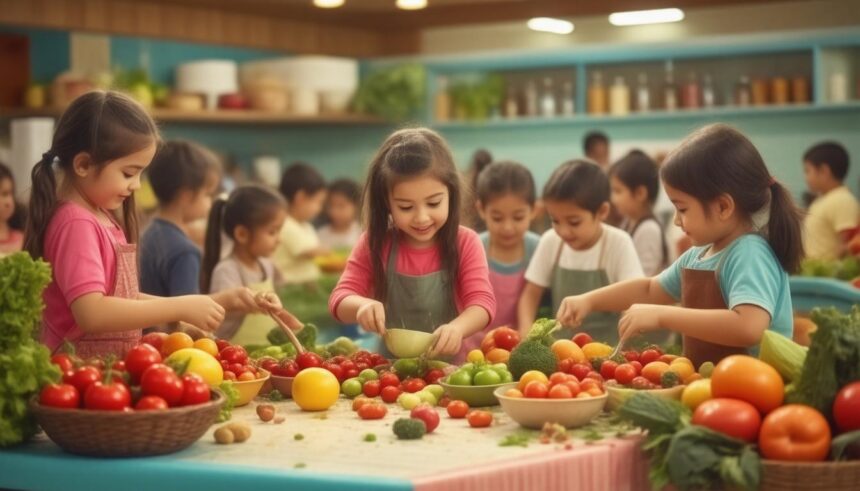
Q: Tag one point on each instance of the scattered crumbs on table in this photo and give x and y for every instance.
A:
(370, 437)
(300, 465)
(321, 416)
(298, 436)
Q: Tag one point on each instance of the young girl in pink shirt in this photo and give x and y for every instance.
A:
(102, 143)
(416, 267)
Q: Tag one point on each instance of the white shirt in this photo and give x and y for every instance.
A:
(339, 240)
(648, 241)
(619, 257)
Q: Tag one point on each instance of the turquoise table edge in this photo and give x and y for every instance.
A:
(808, 293)
(27, 468)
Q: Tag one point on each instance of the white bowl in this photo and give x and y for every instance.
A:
(534, 413)
(405, 343)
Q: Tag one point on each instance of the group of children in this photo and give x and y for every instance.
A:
(415, 266)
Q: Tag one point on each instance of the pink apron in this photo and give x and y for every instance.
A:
(125, 286)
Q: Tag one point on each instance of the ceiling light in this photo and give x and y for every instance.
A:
(411, 4)
(639, 17)
(328, 4)
(548, 24)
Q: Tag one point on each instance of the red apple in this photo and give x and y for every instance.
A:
(154, 339)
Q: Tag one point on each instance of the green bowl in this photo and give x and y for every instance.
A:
(405, 343)
(473, 395)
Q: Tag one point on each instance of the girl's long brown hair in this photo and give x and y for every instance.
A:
(104, 125)
(719, 159)
(407, 154)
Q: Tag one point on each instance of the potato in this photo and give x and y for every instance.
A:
(224, 435)
(241, 431)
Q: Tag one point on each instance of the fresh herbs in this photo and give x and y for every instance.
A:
(232, 395)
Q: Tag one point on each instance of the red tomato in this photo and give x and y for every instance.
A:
(565, 365)
(194, 390)
(228, 375)
(371, 388)
(376, 359)
(372, 410)
(581, 339)
(309, 359)
(479, 419)
(433, 376)
(667, 358)
(561, 391)
(64, 396)
(426, 414)
(640, 383)
(637, 365)
(748, 379)
(362, 365)
(237, 368)
(648, 356)
(83, 377)
(414, 385)
(139, 358)
(607, 369)
(348, 365)
(505, 338)
(457, 409)
(574, 387)
(558, 378)
(335, 370)
(107, 397)
(160, 380)
(337, 359)
(580, 370)
(150, 402)
(444, 401)
(631, 355)
(731, 417)
(222, 344)
(235, 354)
(390, 393)
(595, 376)
(118, 365)
(846, 407)
(625, 373)
(64, 361)
(154, 339)
(536, 390)
(245, 376)
(389, 379)
(268, 364)
(351, 373)
(794, 432)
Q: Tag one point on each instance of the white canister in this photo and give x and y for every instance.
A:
(268, 169)
(305, 102)
(838, 87)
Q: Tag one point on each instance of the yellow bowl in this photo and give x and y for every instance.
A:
(534, 413)
(405, 343)
(248, 390)
(617, 395)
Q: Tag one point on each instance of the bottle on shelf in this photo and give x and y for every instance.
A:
(760, 92)
(779, 90)
(619, 98)
(670, 92)
(568, 106)
(709, 96)
(597, 95)
(643, 94)
(512, 109)
(800, 90)
(442, 109)
(691, 94)
(743, 95)
(548, 104)
(530, 99)
(838, 87)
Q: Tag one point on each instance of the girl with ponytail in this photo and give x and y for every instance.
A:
(733, 284)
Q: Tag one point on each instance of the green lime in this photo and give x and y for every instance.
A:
(351, 387)
(368, 374)
(460, 377)
(487, 377)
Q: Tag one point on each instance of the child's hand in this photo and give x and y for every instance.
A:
(371, 317)
(639, 319)
(201, 311)
(289, 319)
(448, 340)
(573, 310)
(268, 302)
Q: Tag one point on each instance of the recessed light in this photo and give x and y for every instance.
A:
(639, 17)
(328, 4)
(548, 24)
(411, 4)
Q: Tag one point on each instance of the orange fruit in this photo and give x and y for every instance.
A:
(176, 341)
(498, 355)
(683, 369)
(565, 349)
(530, 376)
(207, 345)
(692, 378)
(654, 370)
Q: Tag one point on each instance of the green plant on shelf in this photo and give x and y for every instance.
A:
(395, 93)
(476, 100)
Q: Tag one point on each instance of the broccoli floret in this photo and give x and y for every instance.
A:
(541, 331)
(342, 346)
(308, 336)
(409, 429)
(670, 379)
(532, 355)
(596, 363)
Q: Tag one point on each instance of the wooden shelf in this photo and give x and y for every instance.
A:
(243, 117)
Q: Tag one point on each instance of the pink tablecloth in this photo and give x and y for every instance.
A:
(610, 465)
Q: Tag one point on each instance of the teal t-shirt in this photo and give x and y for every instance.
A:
(531, 240)
(750, 274)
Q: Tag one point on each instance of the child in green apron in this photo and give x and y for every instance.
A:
(733, 285)
(252, 218)
(580, 253)
(415, 267)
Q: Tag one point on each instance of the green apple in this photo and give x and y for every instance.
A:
(408, 401)
(487, 377)
(351, 387)
(368, 374)
(436, 390)
(427, 396)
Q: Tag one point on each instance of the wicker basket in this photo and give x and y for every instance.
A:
(127, 434)
(789, 476)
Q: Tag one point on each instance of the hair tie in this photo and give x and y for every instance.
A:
(771, 182)
(48, 157)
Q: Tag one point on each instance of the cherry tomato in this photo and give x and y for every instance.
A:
(160, 380)
(625, 373)
(360, 401)
(194, 390)
(309, 359)
(607, 369)
(235, 354)
(536, 390)
(414, 385)
(246, 376)
(580, 370)
(506, 338)
(228, 375)
(376, 359)
(637, 365)
(565, 365)
(640, 383)
(444, 401)
(433, 377)
(457, 409)
(348, 365)
(222, 344)
(581, 339)
(371, 388)
(351, 373)
(648, 356)
(390, 393)
(389, 379)
(479, 419)
(83, 377)
(846, 407)
(426, 414)
(373, 410)
(560, 391)
(64, 396)
(558, 378)
(107, 397)
(574, 387)
(64, 361)
(335, 370)
(147, 403)
(362, 365)
(139, 358)
(337, 360)
(631, 355)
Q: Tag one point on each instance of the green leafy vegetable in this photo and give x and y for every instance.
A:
(516, 440)
(783, 354)
(232, 396)
(842, 444)
(395, 93)
(275, 396)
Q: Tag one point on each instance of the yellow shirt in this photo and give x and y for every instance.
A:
(297, 238)
(830, 214)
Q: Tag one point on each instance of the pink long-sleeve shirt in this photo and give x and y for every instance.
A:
(471, 288)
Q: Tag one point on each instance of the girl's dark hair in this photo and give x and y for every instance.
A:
(638, 169)
(19, 217)
(407, 154)
(348, 188)
(580, 181)
(104, 125)
(300, 176)
(718, 159)
(503, 178)
(481, 159)
(180, 165)
(250, 206)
